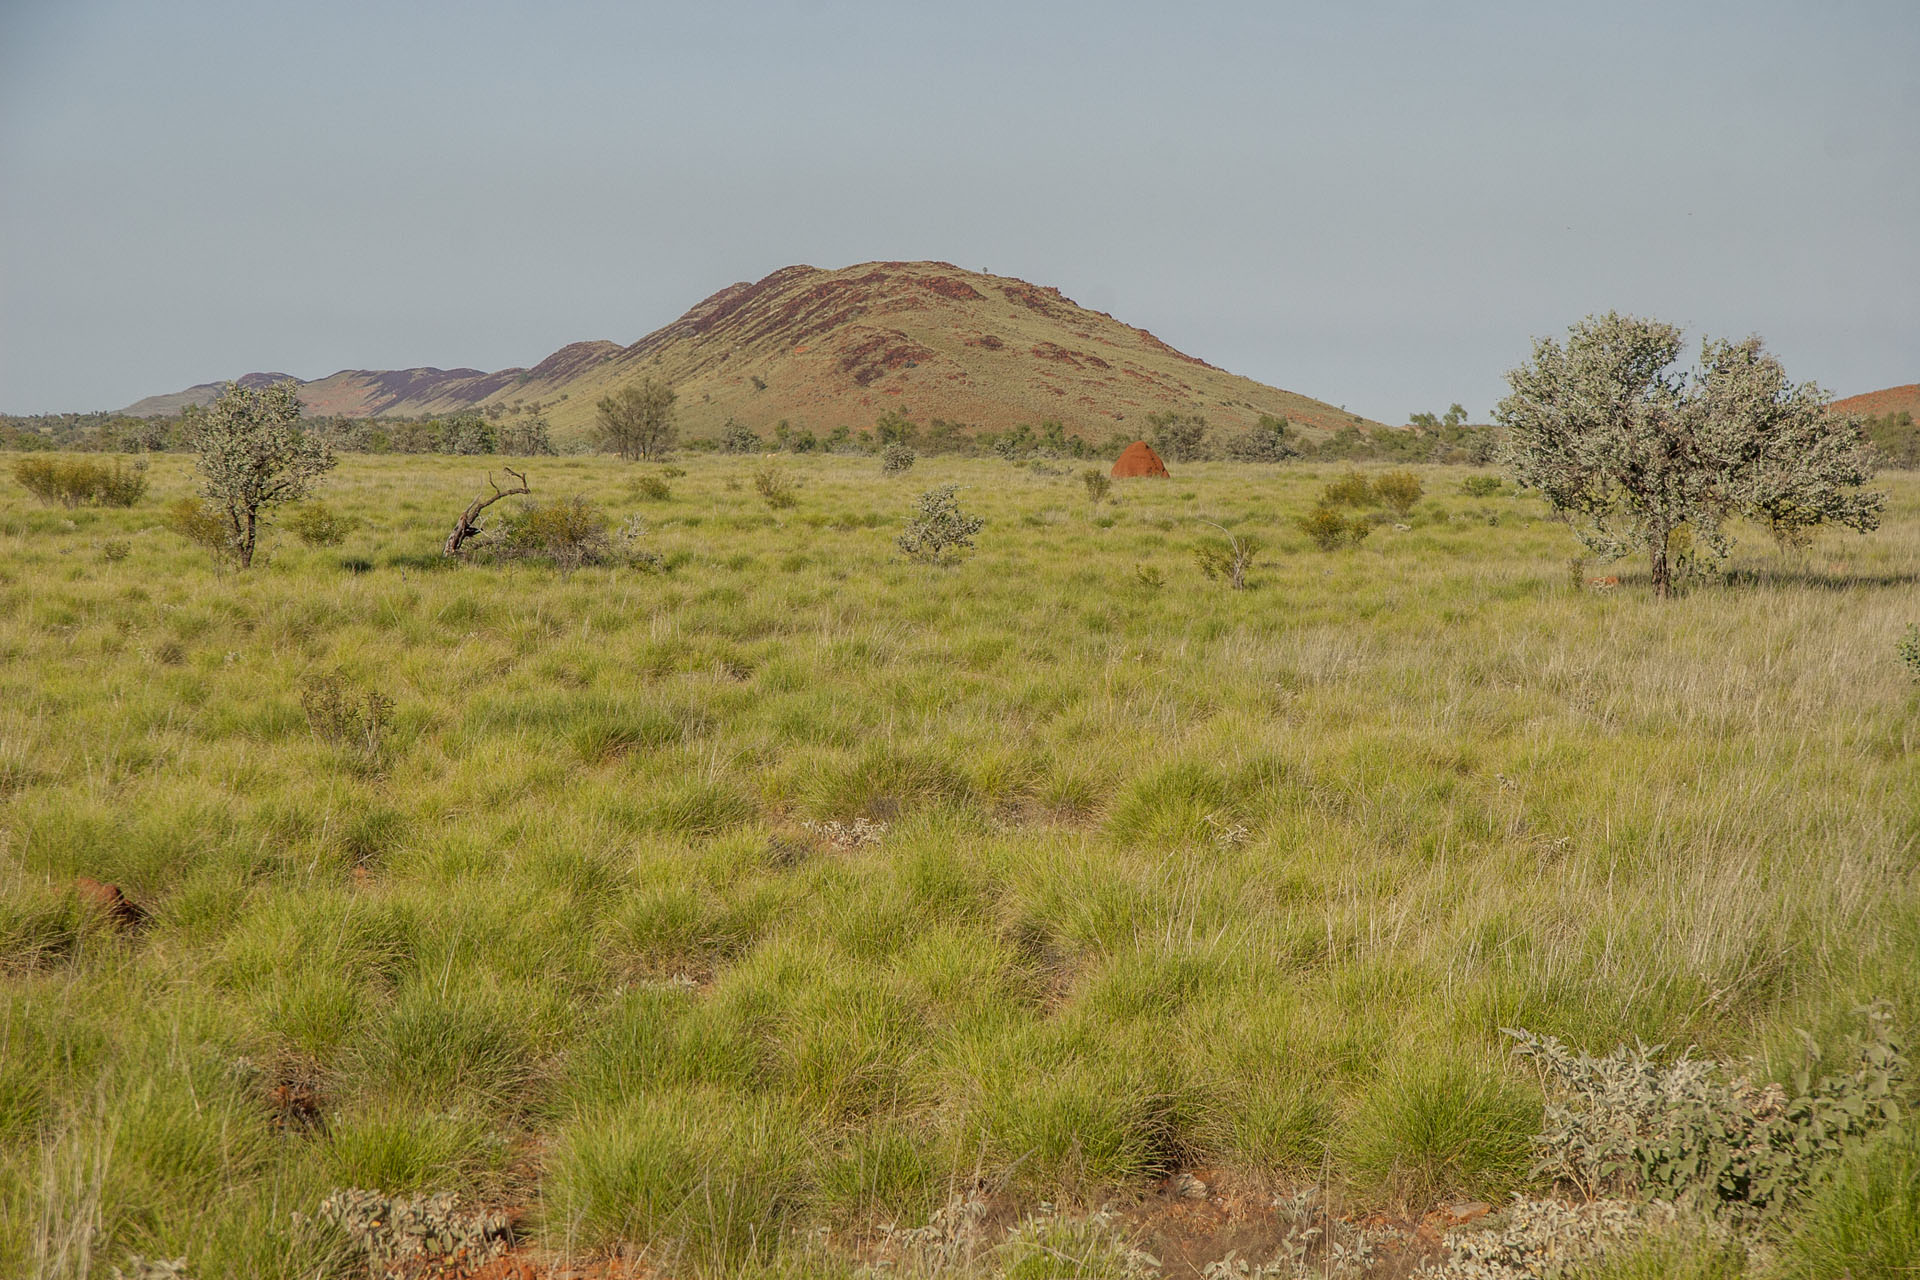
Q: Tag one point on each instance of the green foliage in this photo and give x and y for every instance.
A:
(1864, 1223)
(1098, 484)
(1696, 1132)
(650, 488)
(894, 427)
(1897, 439)
(199, 524)
(254, 457)
(1399, 490)
(316, 524)
(469, 433)
(1178, 437)
(526, 436)
(637, 421)
(896, 459)
(1429, 1128)
(1908, 650)
(345, 716)
(568, 533)
(1227, 558)
(776, 487)
(937, 527)
(1481, 486)
(1266, 441)
(1351, 490)
(75, 482)
(738, 437)
(1331, 530)
(1630, 451)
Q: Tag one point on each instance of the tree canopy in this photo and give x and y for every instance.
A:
(1631, 450)
(254, 456)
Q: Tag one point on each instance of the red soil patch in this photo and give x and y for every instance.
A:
(1138, 459)
(1875, 404)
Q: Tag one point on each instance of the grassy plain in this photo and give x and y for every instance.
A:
(1170, 877)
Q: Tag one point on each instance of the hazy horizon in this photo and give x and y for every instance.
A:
(1375, 205)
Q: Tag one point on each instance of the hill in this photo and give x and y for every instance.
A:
(824, 348)
(1878, 404)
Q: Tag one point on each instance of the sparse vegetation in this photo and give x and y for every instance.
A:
(776, 487)
(1399, 491)
(896, 459)
(683, 915)
(75, 482)
(1098, 484)
(317, 525)
(1330, 530)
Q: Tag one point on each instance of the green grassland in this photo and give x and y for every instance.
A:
(1171, 876)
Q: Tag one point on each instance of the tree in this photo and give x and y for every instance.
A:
(1630, 451)
(1179, 437)
(938, 526)
(254, 457)
(637, 420)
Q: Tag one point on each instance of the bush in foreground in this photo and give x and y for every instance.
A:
(77, 482)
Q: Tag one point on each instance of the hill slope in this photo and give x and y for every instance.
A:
(826, 348)
(1875, 404)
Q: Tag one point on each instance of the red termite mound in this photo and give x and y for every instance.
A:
(1138, 459)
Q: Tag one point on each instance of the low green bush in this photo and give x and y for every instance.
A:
(75, 482)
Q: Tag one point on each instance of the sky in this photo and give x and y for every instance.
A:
(1378, 204)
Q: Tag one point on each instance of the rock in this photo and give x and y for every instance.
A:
(111, 902)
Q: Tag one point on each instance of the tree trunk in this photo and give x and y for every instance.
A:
(245, 549)
(1662, 570)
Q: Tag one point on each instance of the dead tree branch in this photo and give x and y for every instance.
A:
(468, 524)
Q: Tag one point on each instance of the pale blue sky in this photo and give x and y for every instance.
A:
(1373, 203)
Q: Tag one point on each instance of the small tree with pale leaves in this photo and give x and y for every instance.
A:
(938, 526)
(254, 457)
(1631, 452)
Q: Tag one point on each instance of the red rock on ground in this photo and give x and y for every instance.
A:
(1139, 459)
(108, 899)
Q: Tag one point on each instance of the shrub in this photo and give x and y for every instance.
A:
(1481, 486)
(201, 525)
(74, 482)
(651, 488)
(1909, 650)
(1267, 441)
(897, 459)
(1178, 437)
(776, 487)
(737, 437)
(1227, 558)
(567, 533)
(347, 717)
(1698, 1132)
(1350, 490)
(1329, 529)
(315, 524)
(1399, 490)
(937, 526)
(114, 551)
(1099, 484)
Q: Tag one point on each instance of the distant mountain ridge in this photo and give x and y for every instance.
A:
(823, 348)
(1877, 404)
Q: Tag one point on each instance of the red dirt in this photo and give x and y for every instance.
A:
(1874, 404)
(1139, 460)
(111, 902)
